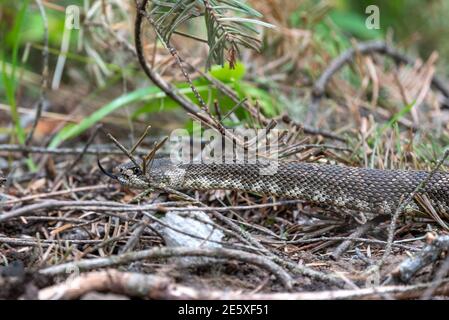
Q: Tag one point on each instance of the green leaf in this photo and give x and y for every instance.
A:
(161, 102)
(265, 100)
(226, 74)
(354, 24)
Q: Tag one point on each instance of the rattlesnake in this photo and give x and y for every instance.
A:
(361, 189)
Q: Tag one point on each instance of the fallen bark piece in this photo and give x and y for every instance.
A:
(428, 255)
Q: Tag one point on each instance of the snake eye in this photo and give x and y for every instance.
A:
(136, 170)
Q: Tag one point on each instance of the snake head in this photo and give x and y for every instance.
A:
(128, 174)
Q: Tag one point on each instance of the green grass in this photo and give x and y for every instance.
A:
(139, 95)
(10, 80)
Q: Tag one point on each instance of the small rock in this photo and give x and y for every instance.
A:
(192, 226)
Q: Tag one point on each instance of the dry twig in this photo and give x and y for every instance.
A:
(156, 253)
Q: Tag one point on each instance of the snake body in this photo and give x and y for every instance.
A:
(361, 189)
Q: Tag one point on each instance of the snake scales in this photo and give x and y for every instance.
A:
(361, 189)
